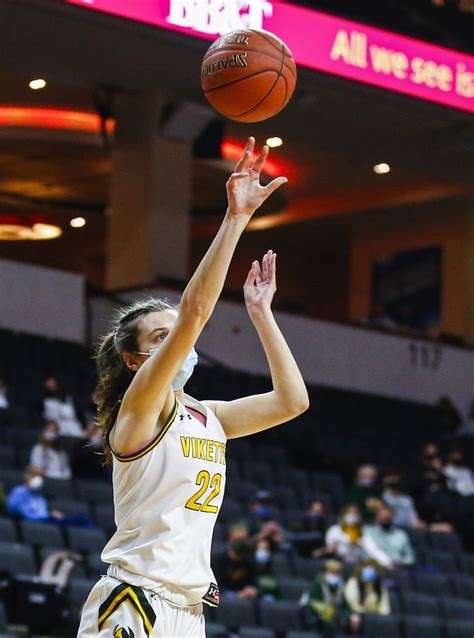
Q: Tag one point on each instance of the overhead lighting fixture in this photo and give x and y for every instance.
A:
(78, 222)
(37, 84)
(381, 168)
(273, 142)
(28, 227)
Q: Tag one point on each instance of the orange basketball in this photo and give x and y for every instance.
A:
(248, 75)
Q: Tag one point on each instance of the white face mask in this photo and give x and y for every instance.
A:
(262, 555)
(50, 436)
(351, 519)
(35, 483)
(185, 371)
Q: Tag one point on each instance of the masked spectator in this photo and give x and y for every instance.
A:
(391, 540)
(329, 611)
(459, 477)
(447, 417)
(60, 408)
(402, 505)
(49, 455)
(235, 569)
(310, 531)
(365, 591)
(87, 457)
(28, 502)
(266, 580)
(348, 539)
(365, 493)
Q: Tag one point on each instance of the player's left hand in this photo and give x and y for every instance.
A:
(260, 285)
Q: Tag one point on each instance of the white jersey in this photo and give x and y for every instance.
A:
(167, 497)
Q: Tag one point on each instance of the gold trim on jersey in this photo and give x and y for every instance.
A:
(125, 458)
(135, 597)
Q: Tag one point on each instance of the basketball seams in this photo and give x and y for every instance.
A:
(241, 50)
(252, 75)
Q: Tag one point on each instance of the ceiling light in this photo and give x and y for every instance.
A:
(381, 168)
(28, 227)
(37, 84)
(273, 142)
(78, 222)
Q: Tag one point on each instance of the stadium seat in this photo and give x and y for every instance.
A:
(307, 567)
(303, 634)
(423, 627)
(216, 630)
(446, 562)
(437, 584)
(7, 530)
(280, 616)
(86, 540)
(79, 589)
(231, 511)
(446, 542)
(292, 588)
(21, 437)
(3, 618)
(400, 579)
(459, 629)
(236, 612)
(281, 564)
(395, 606)
(95, 491)
(381, 626)
(10, 478)
(7, 456)
(16, 558)
(42, 534)
(456, 609)
(416, 603)
(463, 586)
(95, 566)
(256, 632)
(104, 517)
(420, 538)
(68, 506)
(467, 564)
(58, 488)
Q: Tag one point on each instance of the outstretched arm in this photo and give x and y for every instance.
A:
(149, 397)
(289, 396)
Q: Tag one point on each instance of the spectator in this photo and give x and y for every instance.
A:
(87, 458)
(310, 533)
(365, 493)
(49, 455)
(348, 539)
(266, 580)
(4, 402)
(403, 506)
(329, 610)
(262, 509)
(60, 408)
(235, 570)
(27, 502)
(365, 591)
(459, 477)
(391, 540)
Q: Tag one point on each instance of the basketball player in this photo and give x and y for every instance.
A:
(169, 449)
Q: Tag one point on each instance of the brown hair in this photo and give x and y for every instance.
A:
(113, 374)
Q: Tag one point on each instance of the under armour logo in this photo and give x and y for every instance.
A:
(121, 632)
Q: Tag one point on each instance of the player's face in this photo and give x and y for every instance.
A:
(154, 329)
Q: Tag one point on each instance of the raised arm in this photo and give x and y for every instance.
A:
(149, 396)
(289, 396)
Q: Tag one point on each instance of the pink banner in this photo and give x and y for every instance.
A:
(319, 41)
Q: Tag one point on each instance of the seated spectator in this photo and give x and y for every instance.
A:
(329, 611)
(402, 505)
(391, 540)
(235, 570)
(87, 458)
(365, 591)
(448, 419)
(310, 532)
(348, 539)
(60, 408)
(272, 532)
(27, 502)
(365, 493)
(266, 580)
(459, 477)
(49, 455)
(262, 509)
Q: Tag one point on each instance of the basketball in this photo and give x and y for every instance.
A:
(248, 75)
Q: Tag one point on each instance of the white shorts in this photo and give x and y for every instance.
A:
(115, 609)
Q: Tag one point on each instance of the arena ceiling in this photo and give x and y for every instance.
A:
(334, 131)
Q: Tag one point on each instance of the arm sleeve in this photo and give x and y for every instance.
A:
(373, 551)
(37, 457)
